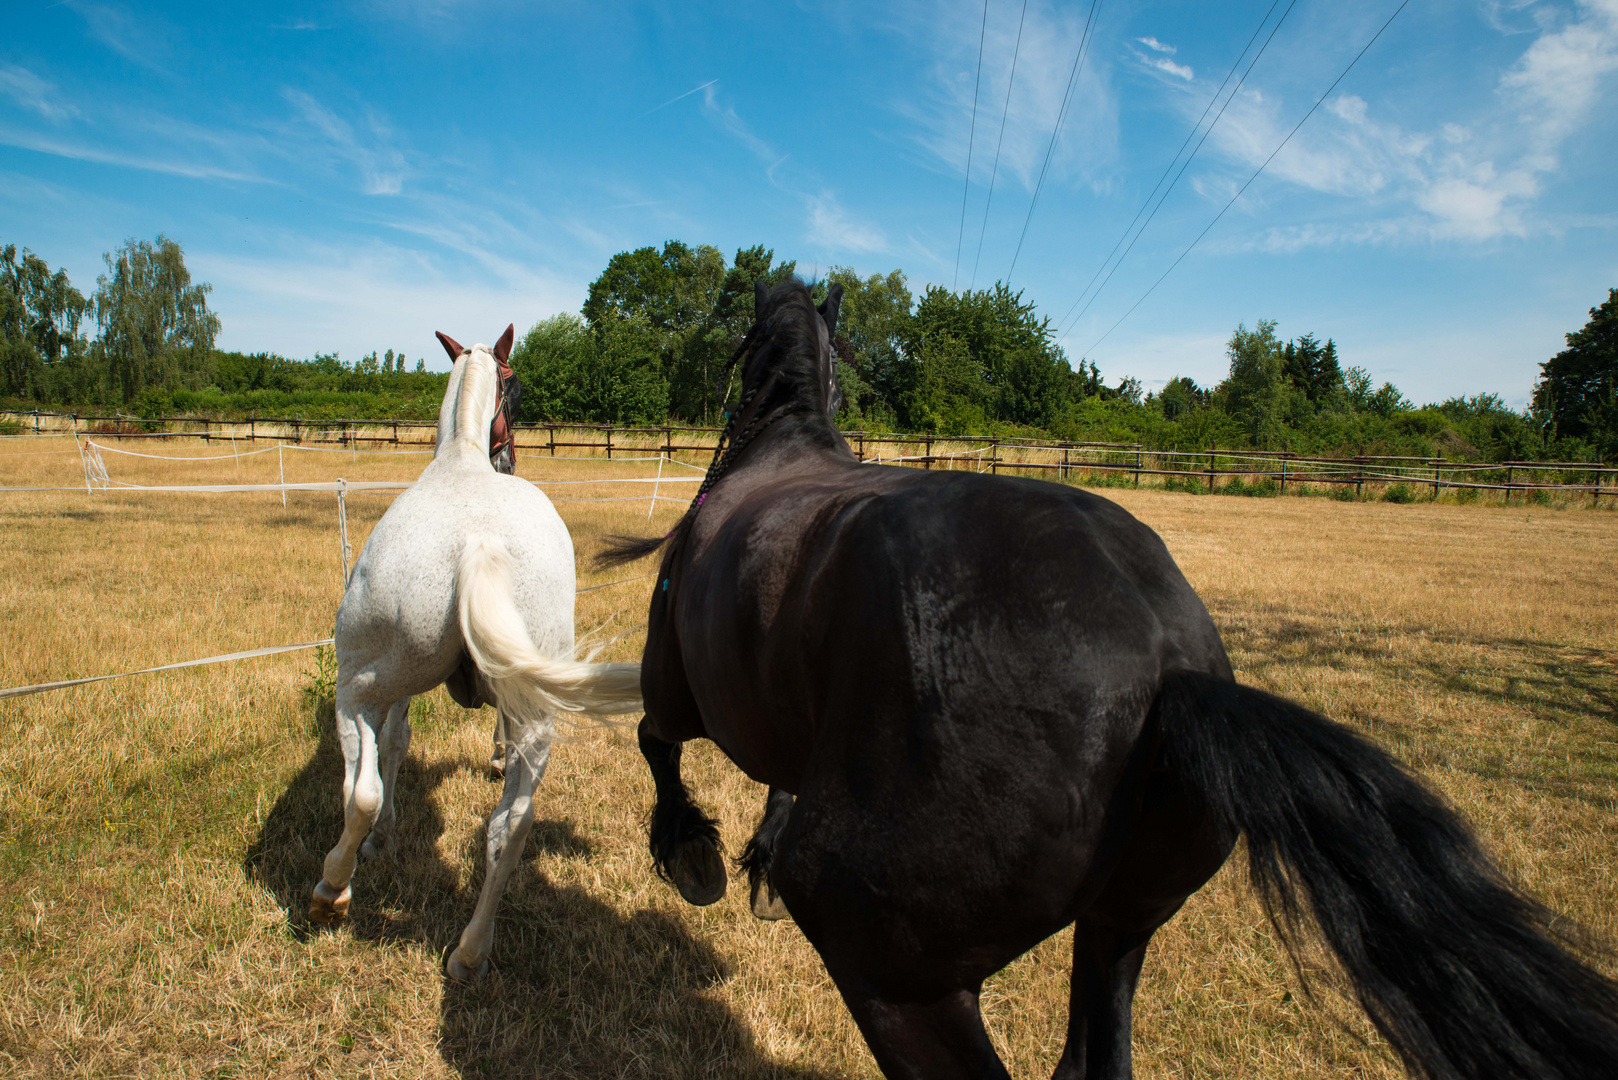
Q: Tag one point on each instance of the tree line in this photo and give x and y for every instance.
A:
(660, 323)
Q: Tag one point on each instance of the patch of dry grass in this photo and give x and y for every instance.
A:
(159, 835)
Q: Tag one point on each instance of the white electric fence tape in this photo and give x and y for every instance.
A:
(40, 688)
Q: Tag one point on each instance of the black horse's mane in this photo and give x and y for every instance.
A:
(781, 376)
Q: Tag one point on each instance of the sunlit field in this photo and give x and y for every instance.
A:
(159, 835)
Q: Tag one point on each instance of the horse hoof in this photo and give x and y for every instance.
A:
(698, 872)
(371, 849)
(328, 907)
(463, 974)
(767, 904)
(497, 767)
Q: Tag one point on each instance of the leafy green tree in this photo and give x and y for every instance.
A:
(980, 353)
(40, 313)
(872, 326)
(1576, 396)
(1255, 393)
(1180, 396)
(551, 359)
(156, 329)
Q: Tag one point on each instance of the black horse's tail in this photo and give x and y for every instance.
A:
(1464, 975)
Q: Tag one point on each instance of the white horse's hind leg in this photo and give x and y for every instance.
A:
(529, 752)
(392, 746)
(362, 801)
(502, 743)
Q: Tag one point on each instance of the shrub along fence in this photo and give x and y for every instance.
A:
(1254, 471)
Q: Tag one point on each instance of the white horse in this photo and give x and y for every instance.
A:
(468, 580)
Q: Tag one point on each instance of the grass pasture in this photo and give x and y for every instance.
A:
(159, 835)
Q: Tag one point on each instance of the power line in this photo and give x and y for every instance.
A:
(1170, 167)
(1250, 179)
(960, 232)
(994, 172)
(1067, 96)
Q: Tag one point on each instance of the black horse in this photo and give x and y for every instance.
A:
(1003, 711)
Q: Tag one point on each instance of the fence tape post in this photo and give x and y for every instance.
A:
(656, 482)
(84, 461)
(342, 525)
(281, 452)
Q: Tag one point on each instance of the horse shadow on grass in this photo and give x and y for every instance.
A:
(1571, 692)
(577, 989)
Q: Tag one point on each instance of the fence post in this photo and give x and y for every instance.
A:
(1283, 474)
(994, 457)
(928, 460)
(609, 442)
(1211, 448)
(1437, 475)
(1137, 464)
(1359, 479)
(1509, 473)
(551, 434)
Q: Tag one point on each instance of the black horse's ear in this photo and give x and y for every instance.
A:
(451, 346)
(828, 308)
(761, 298)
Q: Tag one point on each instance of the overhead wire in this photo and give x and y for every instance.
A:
(966, 186)
(995, 171)
(1085, 38)
(1250, 179)
(1170, 167)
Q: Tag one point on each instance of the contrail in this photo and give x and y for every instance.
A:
(672, 100)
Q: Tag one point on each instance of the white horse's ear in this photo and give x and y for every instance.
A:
(502, 348)
(451, 346)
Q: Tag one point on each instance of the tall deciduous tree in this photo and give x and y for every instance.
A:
(1255, 391)
(872, 325)
(40, 313)
(156, 329)
(1577, 393)
(978, 355)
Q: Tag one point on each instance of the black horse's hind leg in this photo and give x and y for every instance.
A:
(1106, 967)
(684, 840)
(760, 852)
(933, 1040)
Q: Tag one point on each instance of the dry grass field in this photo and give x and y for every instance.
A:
(159, 835)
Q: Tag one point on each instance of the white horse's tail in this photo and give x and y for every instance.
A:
(527, 684)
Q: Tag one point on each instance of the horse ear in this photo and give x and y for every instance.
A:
(761, 298)
(829, 307)
(451, 346)
(502, 348)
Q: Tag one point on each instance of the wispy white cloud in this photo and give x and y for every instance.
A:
(942, 109)
(359, 296)
(1461, 182)
(1557, 80)
(122, 32)
(1157, 46)
(369, 148)
(34, 93)
(831, 227)
(725, 117)
(79, 152)
(1164, 64)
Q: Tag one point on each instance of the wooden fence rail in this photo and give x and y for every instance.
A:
(982, 453)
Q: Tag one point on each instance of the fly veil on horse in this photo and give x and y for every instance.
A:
(1003, 711)
(468, 580)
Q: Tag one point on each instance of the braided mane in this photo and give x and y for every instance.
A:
(780, 357)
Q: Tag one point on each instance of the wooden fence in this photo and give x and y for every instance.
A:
(981, 453)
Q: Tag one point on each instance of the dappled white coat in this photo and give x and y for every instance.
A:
(465, 562)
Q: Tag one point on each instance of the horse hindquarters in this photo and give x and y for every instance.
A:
(1459, 972)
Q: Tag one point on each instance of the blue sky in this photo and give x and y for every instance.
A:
(354, 176)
